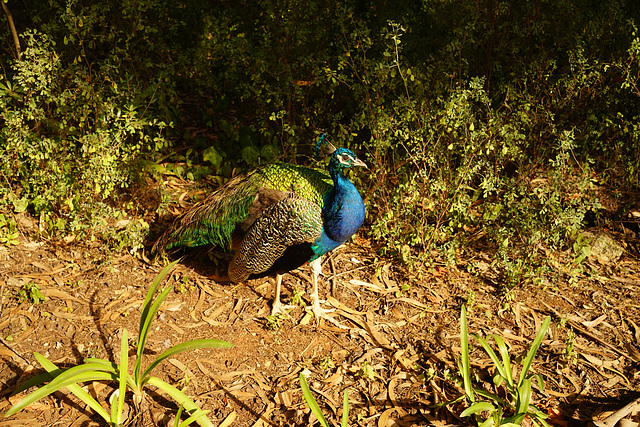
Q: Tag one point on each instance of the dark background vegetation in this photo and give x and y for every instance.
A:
(494, 122)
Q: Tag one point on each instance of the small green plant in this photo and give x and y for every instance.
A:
(94, 369)
(517, 400)
(31, 292)
(273, 321)
(315, 409)
(366, 371)
(185, 284)
(327, 363)
(296, 297)
(8, 232)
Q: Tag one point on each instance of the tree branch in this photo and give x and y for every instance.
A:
(14, 33)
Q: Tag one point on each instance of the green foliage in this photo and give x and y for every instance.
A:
(468, 162)
(315, 408)
(517, 392)
(30, 292)
(94, 369)
(67, 144)
(130, 237)
(8, 231)
(273, 321)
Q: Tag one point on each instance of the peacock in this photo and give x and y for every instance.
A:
(276, 218)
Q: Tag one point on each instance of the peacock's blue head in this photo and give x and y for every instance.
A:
(342, 159)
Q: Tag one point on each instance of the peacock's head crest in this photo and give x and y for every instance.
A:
(324, 147)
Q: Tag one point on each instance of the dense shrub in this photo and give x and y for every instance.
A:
(66, 145)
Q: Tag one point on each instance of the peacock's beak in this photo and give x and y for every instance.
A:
(359, 162)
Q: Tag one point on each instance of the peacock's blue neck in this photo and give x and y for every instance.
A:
(343, 214)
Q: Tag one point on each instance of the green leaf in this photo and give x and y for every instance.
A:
(465, 366)
(491, 396)
(269, 152)
(540, 382)
(37, 380)
(195, 417)
(76, 389)
(250, 155)
(149, 310)
(106, 365)
(311, 402)
(504, 369)
(122, 379)
(185, 346)
(506, 360)
(345, 410)
(477, 408)
(144, 332)
(181, 398)
(489, 422)
(534, 348)
(68, 378)
(524, 397)
(212, 156)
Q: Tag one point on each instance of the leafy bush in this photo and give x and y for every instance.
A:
(514, 168)
(67, 144)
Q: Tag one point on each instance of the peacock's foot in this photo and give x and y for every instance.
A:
(322, 313)
(280, 308)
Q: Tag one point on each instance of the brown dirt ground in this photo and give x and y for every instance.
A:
(396, 358)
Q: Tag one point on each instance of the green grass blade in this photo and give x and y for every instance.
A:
(448, 402)
(181, 399)
(311, 402)
(489, 422)
(70, 381)
(147, 315)
(144, 332)
(506, 360)
(107, 366)
(151, 292)
(122, 379)
(476, 408)
(534, 348)
(493, 397)
(77, 390)
(178, 415)
(186, 346)
(539, 381)
(539, 421)
(524, 397)
(345, 410)
(70, 373)
(37, 380)
(502, 370)
(465, 365)
(195, 417)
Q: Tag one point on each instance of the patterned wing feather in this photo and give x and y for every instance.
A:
(289, 222)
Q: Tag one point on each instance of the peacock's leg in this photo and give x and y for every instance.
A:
(278, 307)
(316, 268)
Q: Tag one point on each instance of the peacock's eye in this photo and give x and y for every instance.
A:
(345, 159)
